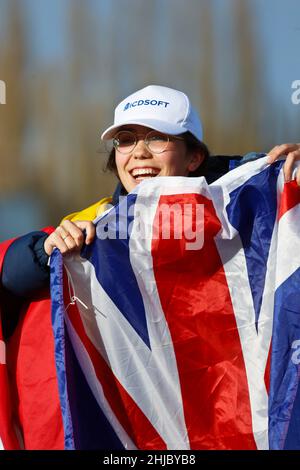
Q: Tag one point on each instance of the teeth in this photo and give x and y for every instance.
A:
(144, 171)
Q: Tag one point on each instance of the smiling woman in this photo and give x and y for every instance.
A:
(142, 153)
(161, 157)
(160, 135)
(156, 132)
(151, 139)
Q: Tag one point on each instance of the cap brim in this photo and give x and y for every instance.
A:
(161, 126)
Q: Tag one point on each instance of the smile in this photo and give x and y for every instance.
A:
(142, 173)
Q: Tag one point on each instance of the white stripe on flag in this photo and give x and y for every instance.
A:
(132, 362)
(255, 346)
(96, 387)
(288, 255)
(241, 297)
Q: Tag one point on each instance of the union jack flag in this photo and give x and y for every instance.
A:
(189, 340)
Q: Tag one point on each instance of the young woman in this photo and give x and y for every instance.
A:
(156, 132)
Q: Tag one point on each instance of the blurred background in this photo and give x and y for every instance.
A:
(67, 63)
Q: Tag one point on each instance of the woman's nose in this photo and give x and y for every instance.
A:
(141, 150)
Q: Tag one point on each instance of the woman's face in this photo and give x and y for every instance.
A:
(142, 164)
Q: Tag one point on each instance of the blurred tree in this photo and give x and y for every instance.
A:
(86, 182)
(13, 113)
(206, 73)
(245, 124)
(50, 127)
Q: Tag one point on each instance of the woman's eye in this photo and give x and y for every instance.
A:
(127, 140)
(157, 138)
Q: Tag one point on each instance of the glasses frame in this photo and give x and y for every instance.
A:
(146, 141)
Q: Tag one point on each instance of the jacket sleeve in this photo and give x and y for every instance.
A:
(248, 157)
(25, 267)
(219, 165)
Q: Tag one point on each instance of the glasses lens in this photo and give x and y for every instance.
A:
(124, 141)
(157, 142)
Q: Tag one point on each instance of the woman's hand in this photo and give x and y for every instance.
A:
(292, 154)
(68, 236)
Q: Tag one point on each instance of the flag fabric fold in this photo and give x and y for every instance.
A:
(180, 323)
(178, 328)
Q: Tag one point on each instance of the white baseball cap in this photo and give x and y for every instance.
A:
(160, 108)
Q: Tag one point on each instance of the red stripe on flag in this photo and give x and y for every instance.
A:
(290, 197)
(267, 374)
(135, 423)
(196, 301)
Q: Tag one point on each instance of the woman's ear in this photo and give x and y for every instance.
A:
(195, 161)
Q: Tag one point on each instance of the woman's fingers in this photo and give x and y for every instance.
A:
(55, 241)
(74, 234)
(69, 236)
(288, 167)
(89, 228)
(281, 150)
(292, 154)
(298, 177)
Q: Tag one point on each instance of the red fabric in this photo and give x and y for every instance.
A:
(32, 378)
(290, 197)
(211, 366)
(7, 427)
(268, 370)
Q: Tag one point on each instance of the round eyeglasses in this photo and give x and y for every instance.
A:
(156, 142)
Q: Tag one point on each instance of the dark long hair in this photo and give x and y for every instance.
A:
(192, 145)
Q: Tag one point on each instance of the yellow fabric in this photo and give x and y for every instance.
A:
(91, 212)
